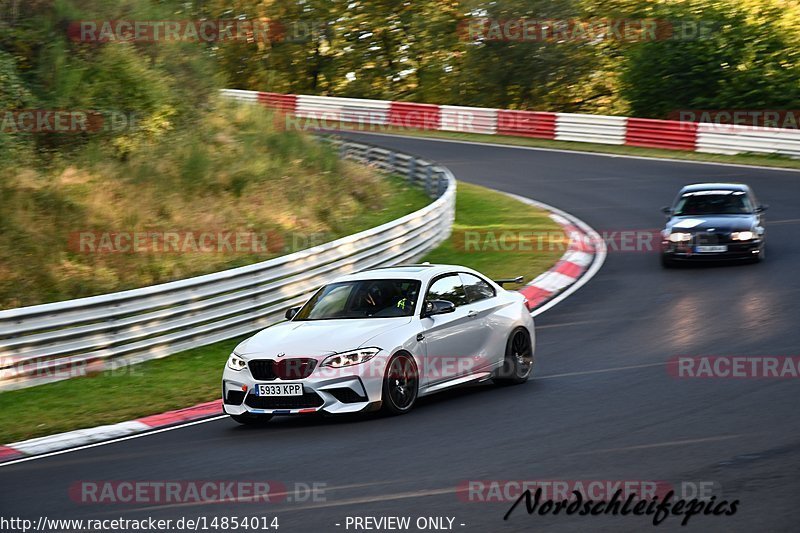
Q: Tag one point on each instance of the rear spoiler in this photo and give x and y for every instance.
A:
(501, 282)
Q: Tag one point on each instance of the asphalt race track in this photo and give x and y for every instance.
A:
(602, 405)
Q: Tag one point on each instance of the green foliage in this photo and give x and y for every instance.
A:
(167, 156)
(415, 51)
(14, 95)
(234, 172)
(750, 58)
(743, 61)
(13, 92)
(156, 87)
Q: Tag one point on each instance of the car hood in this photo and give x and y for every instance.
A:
(316, 338)
(719, 223)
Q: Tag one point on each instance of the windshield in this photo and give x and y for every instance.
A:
(720, 203)
(374, 298)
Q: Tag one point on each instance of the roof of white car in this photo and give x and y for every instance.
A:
(420, 271)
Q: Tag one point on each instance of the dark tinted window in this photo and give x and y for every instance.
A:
(714, 203)
(448, 288)
(374, 298)
(475, 288)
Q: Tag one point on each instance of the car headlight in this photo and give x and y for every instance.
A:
(680, 237)
(236, 363)
(742, 235)
(353, 357)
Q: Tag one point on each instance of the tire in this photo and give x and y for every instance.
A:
(400, 384)
(518, 363)
(252, 420)
(666, 262)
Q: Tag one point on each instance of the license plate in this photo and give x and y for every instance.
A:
(282, 389)
(710, 249)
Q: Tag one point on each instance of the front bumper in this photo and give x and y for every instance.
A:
(734, 251)
(336, 391)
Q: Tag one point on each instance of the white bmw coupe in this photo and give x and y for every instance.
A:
(382, 338)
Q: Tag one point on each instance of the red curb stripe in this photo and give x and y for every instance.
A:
(183, 415)
(535, 295)
(6, 453)
(569, 269)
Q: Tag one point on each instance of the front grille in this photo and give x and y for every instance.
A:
(235, 397)
(307, 400)
(346, 395)
(287, 369)
(262, 369)
(710, 238)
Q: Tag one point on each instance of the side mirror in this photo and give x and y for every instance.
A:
(666, 210)
(437, 307)
(762, 208)
(291, 312)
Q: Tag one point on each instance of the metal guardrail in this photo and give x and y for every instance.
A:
(56, 341)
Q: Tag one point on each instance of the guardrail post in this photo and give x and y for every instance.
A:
(412, 170)
(392, 160)
(428, 175)
(441, 185)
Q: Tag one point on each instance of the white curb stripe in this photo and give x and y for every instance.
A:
(60, 441)
(553, 281)
(582, 259)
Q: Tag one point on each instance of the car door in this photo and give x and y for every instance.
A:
(482, 302)
(451, 340)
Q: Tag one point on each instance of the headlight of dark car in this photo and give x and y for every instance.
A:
(680, 237)
(743, 236)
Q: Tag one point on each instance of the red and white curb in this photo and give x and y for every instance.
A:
(585, 255)
(82, 437)
(583, 258)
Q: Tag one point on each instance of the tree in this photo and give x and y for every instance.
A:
(745, 60)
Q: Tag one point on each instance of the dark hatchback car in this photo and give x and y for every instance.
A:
(714, 221)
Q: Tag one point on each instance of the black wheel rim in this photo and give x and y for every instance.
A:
(401, 381)
(522, 354)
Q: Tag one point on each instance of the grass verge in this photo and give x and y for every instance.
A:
(193, 376)
(494, 220)
(235, 173)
